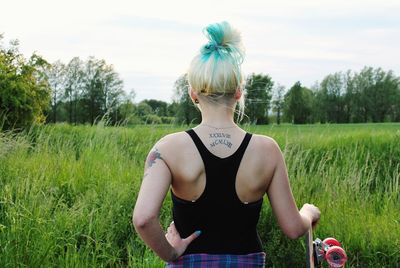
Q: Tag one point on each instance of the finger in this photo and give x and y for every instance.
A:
(192, 237)
(314, 224)
(173, 228)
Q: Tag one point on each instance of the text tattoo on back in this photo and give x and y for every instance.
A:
(220, 138)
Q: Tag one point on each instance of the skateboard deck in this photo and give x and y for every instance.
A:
(309, 249)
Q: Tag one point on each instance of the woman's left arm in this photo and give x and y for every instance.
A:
(155, 185)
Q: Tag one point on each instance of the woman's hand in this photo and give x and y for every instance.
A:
(313, 213)
(178, 243)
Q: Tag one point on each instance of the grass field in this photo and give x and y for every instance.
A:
(67, 193)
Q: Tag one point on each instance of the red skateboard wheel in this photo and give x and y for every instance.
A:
(336, 257)
(331, 242)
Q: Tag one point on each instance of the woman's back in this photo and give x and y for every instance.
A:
(221, 204)
(188, 170)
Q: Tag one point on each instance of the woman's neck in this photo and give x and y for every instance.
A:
(217, 116)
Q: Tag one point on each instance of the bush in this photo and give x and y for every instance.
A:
(151, 119)
(24, 92)
(167, 119)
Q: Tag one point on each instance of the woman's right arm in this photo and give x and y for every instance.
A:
(294, 223)
(154, 187)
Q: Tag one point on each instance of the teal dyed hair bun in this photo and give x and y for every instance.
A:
(215, 73)
(216, 70)
(223, 41)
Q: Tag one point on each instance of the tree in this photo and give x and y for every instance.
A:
(278, 102)
(158, 107)
(144, 109)
(298, 104)
(371, 95)
(56, 76)
(73, 87)
(258, 98)
(331, 98)
(127, 110)
(186, 112)
(24, 90)
(380, 93)
(172, 109)
(92, 89)
(112, 89)
(102, 89)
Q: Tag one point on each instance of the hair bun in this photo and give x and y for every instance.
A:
(215, 72)
(223, 39)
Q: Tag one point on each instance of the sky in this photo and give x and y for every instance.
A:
(151, 43)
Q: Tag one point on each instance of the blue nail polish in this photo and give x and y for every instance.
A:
(198, 232)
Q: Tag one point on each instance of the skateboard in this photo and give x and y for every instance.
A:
(329, 249)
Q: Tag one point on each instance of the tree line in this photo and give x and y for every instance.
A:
(371, 95)
(85, 91)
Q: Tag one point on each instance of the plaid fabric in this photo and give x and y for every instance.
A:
(219, 261)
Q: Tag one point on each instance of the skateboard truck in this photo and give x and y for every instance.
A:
(318, 251)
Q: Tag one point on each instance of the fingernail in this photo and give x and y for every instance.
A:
(198, 232)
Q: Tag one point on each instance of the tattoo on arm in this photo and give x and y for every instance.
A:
(153, 156)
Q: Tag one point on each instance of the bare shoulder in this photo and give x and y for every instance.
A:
(172, 140)
(175, 149)
(172, 144)
(262, 159)
(268, 148)
(263, 142)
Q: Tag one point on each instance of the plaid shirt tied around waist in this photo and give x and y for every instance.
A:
(219, 261)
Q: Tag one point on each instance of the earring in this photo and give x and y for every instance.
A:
(196, 101)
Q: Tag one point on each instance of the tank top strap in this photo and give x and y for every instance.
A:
(238, 155)
(204, 152)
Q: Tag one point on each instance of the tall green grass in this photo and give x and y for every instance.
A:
(67, 193)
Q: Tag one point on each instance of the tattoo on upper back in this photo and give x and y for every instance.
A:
(220, 138)
(153, 156)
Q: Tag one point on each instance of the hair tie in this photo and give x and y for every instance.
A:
(211, 47)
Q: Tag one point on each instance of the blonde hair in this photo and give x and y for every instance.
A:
(216, 71)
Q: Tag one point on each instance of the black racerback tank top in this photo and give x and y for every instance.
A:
(227, 225)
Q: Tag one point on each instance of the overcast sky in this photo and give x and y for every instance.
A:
(151, 43)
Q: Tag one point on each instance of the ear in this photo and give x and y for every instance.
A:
(238, 94)
(193, 95)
